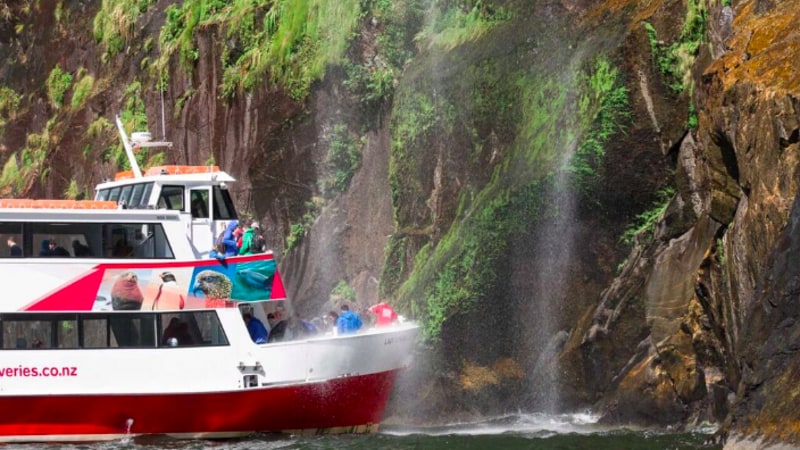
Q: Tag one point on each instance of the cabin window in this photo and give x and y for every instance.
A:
(125, 195)
(86, 240)
(111, 330)
(36, 331)
(199, 202)
(223, 205)
(145, 201)
(12, 235)
(131, 240)
(136, 196)
(113, 194)
(195, 328)
(171, 198)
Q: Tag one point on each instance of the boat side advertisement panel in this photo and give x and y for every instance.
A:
(152, 285)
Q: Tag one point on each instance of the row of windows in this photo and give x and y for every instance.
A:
(111, 330)
(85, 240)
(172, 197)
(133, 196)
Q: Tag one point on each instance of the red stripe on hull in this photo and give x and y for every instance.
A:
(342, 402)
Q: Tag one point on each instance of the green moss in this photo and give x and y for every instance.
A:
(9, 104)
(296, 234)
(721, 251)
(417, 118)
(11, 181)
(450, 25)
(291, 41)
(464, 268)
(674, 61)
(82, 91)
(114, 23)
(343, 292)
(58, 83)
(342, 161)
(371, 85)
(532, 114)
(298, 231)
(604, 104)
(645, 223)
(28, 166)
(73, 191)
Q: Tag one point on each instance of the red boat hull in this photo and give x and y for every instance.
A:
(351, 404)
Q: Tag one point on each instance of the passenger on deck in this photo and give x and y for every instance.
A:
(44, 249)
(225, 246)
(14, 249)
(277, 329)
(384, 314)
(300, 328)
(258, 332)
(80, 250)
(177, 330)
(330, 320)
(348, 321)
(57, 250)
(122, 249)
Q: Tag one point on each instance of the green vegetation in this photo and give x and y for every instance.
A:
(298, 230)
(370, 85)
(458, 23)
(417, 119)
(82, 91)
(674, 61)
(453, 275)
(721, 251)
(646, 222)
(344, 158)
(604, 102)
(58, 83)
(9, 104)
(73, 191)
(114, 24)
(134, 118)
(464, 267)
(342, 292)
(26, 167)
(292, 41)
(296, 234)
(692, 121)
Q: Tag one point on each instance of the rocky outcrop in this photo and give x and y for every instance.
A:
(699, 318)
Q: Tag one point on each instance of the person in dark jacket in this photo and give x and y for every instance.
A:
(44, 249)
(14, 249)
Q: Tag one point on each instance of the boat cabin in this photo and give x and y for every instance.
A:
(198, 193)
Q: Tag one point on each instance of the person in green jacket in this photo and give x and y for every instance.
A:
(247, 239)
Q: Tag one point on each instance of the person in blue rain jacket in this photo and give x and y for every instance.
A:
(348, 321)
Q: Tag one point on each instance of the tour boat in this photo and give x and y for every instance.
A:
(131, 325)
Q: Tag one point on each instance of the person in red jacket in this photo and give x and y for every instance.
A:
(384, 314)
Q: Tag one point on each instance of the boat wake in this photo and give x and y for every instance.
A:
(537, 424)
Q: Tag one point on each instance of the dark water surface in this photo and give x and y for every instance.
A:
(535, 432)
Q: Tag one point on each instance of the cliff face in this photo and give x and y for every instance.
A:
(459, 211)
